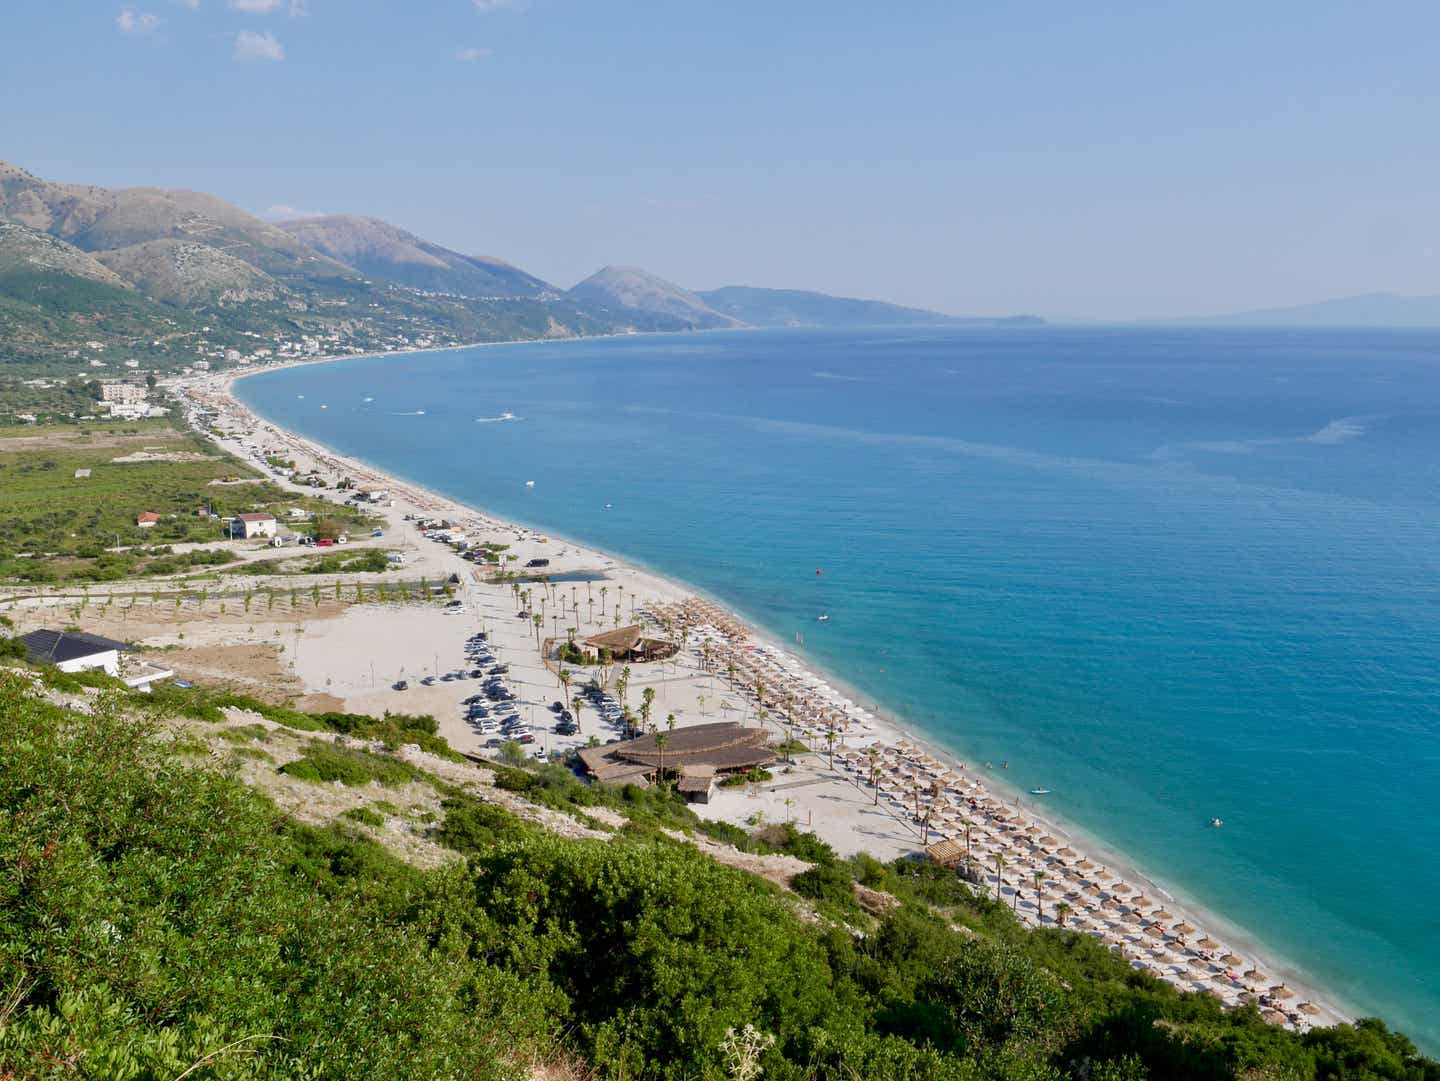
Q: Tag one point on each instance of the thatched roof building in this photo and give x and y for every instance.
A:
(629, 644)
(696, 754)
(946, 853)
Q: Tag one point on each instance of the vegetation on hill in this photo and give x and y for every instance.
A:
(381, 250)
(158, 917)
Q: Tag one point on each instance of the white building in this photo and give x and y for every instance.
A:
(122, 393)
(76, 651)
(254, 525)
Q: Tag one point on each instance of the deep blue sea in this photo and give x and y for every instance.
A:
(1170, 574)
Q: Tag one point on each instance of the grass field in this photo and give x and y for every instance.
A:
(56, 522)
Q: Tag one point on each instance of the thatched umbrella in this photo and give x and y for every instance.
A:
(1132, 917)
(1233, 961)
(1308, 1007)
(1208, 943)
(1162, 916)
(1281, 991)
(1154, 931)
(1183, 929)
(1048, 840)
(1084, 864)
(1273, 1017)
(1256, 976)
(1068, 853)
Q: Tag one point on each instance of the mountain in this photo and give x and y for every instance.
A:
(647, 302)
(1366, 310)
(183, 272)
(380, 250)
(799, 308)
(97, 219)
(171, 276)
(54, 295)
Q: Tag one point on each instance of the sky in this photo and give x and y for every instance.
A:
(1096, 161)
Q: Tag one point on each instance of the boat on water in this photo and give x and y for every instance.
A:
(529, 484)
(1217, 822)
(822, 618)
(1039, 791)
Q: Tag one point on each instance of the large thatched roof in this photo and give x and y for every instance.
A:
(692, 750)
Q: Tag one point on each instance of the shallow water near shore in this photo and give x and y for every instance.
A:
(1169, 574)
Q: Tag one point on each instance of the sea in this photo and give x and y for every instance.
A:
(1172, 575)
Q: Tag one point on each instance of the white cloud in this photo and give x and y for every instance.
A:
(131, 21)
(252, 46)
(469, 56)
(255, 7)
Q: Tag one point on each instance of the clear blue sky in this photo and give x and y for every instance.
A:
(1094, 160)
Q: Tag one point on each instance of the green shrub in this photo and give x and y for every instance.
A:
(324, 762)
(365, 815)
(825, 882)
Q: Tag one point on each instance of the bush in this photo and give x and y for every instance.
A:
(472, 827)
(365, 815)
(324, 762)
(825, 882)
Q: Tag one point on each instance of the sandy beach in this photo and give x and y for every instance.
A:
(863, 783)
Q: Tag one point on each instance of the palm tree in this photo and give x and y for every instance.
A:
(647, 699)
(575, 705)
(603, 591)
(623, 683)
(660, 741)
(564, 677)
(1039, 900)
(967, 848)
(539, 621)
(830, 746)
(789, 803)
(999, 870)
(1061, 911)
(700, 701)
(591, 603)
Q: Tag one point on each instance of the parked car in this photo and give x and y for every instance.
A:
(400, 685)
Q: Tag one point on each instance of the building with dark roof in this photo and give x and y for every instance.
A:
(79, 651)
(696, 755)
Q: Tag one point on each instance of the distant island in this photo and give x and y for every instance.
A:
(1366, 310)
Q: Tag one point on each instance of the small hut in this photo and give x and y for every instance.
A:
(946, 853)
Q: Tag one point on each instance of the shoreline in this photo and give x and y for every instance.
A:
(888, 727)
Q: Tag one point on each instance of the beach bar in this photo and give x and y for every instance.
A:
(697, 756)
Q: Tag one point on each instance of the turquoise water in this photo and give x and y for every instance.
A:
(1169, 574)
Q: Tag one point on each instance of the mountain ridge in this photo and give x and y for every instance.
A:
(643, 297)
(381, 250)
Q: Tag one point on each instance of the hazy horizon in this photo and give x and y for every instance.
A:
(1072, 164)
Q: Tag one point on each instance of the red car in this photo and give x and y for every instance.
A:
(326, 543)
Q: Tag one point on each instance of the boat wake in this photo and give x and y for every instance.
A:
(414, 413)
(496, 420)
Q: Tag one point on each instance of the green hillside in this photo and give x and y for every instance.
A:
(160, 917)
